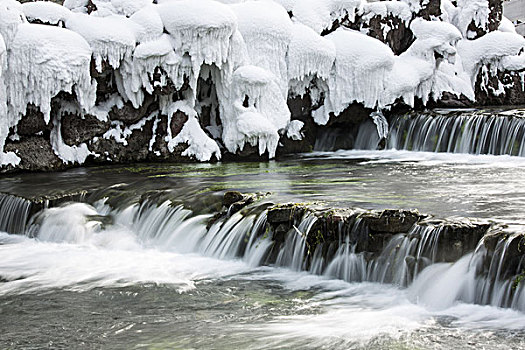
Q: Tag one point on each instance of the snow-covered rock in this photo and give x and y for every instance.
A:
(359, 74)
(45, 12)
(43, 61)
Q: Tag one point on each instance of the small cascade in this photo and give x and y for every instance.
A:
(400, 261)
(483, 277)
(14, 213)
(473, 133)
(292, 253)
(416, 260)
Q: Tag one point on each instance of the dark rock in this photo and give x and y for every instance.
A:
(487, 83)
(105, 79)
(76, 129)
(231, 197)
(36, 154)
(136, 149)
(398, 38)
(430, 9)
(32, 122)
(392, 221)
(130, 115)
(177, 122)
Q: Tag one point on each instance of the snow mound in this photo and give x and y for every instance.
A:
(151, 26)
(44, 61)
(46, 12)
(11, 15)
(309, 54)
(111, 38)
(489, 49)
(359, 73)
(397, 9)
(267, 30)
(320, 14)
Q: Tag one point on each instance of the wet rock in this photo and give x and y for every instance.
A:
(456, 237)
(36, 154)
(231, 197)
(287, 213)
(392, 221)
(76, 129)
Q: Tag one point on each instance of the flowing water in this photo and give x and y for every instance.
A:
(136, 263)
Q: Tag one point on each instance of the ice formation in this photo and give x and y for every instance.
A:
(251, 55)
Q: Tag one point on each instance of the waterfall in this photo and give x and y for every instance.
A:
(470, 281)
(473, 133)
(413, 260)
(14, 213)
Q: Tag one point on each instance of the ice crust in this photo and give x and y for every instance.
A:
(256, 52)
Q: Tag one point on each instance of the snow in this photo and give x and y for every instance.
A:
(320, 14)
(489, 49)
(397, 9)
(151, 26)
(257, 113)
(44, 61)
(11, 15)
(293, 130)
(506, 25)
(47, 12)
(129, 7)
(415, 70)
(469, 11)
(359, 73)
(201, 146)
(287, 4)
(267, 31)
(5, 158)
(111, 38)
(253, 52)
(309, 54)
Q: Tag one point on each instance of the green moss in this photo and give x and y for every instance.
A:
(520, 278)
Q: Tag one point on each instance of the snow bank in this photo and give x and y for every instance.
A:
(396, 9)
(469, 11)
(320, 14)
(44, 61)
(359, 73)
(267, 30)
(111, 38)
(47, 12)
(11, 15)
(489, 49)
(258, 111)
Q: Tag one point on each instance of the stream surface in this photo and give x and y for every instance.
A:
(114, 290)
